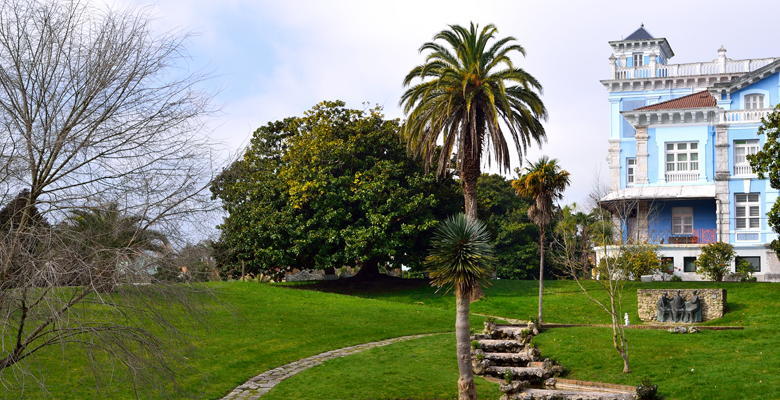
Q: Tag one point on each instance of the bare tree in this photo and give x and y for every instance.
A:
(96, 113)
(579, 238)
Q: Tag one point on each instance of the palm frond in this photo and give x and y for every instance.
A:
(468, 93)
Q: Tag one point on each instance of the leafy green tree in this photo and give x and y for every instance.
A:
(461, 258)
(260, 230)
(334, 187)
(514, 236)
(766, 163)
(544, 182)
(715, 260)
(471, 98)
(576, 234)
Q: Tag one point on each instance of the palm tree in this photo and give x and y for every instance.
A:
(109, 237)
(543, 182)
(461, 258)
(470, 97)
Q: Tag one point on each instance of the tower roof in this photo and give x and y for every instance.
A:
(640, 34)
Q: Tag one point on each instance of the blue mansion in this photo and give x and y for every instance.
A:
(679, 137)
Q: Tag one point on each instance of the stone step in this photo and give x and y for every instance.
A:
(520, 359)
(531, 374)
(554, 394)
(500, 346)
(513, 331)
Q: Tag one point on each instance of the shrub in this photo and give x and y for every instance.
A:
(715, 260)
(647, 390)
(744, 271)
(675, 278)
(633, 262)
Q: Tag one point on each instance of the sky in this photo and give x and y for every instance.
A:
(272, 59)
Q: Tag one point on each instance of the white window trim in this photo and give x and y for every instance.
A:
(747, 217)
(682, 212)
(676, 172)
(640, 57)
(753, 144)
(632, 169)
(754, 91)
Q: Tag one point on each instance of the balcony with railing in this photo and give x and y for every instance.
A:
(718, 66)
(697, 236)
(743, 170)
(744, 116)
(680, 176)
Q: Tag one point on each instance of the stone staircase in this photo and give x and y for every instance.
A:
(505, 353)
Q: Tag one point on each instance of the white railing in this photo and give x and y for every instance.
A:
(692, 69)
(733, 116)
(743, 169)
(682, 176)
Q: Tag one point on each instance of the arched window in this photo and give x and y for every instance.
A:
(754, 101)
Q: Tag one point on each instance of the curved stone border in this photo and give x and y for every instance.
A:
(256, 387)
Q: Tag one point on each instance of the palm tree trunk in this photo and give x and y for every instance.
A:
(541, 275)
(466, 389)
(470, 174)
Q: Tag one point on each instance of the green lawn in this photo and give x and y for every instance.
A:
(423, 368)
(249, 328)
(245, 329)
(709, 365)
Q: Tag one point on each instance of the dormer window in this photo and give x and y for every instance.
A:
(754, 101)
(638, 59)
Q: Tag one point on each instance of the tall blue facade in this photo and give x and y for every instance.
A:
(678, 141)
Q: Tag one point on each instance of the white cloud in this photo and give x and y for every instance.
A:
(360, 50)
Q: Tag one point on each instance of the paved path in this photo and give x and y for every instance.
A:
(256, 387)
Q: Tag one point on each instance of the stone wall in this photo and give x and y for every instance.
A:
(305, 275)
(713, 301)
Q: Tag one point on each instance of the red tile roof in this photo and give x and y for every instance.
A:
(696, 100)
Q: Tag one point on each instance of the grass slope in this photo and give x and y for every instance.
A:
(248, 329)
(423, 368)
(254, 328)
(708, 365)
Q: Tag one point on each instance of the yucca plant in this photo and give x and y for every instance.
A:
(461, 259)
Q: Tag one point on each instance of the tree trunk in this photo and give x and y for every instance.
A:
(618, 334)
(369, 270)
(470, 172)
(470, 175)
(541, 276)
(466, 389)
(626, 368)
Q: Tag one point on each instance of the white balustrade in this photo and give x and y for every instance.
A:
(690, 69)
(734, 116)
(743, 170)
(682, 176)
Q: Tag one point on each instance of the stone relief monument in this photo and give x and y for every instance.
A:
(678, 310)
(680, 305)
